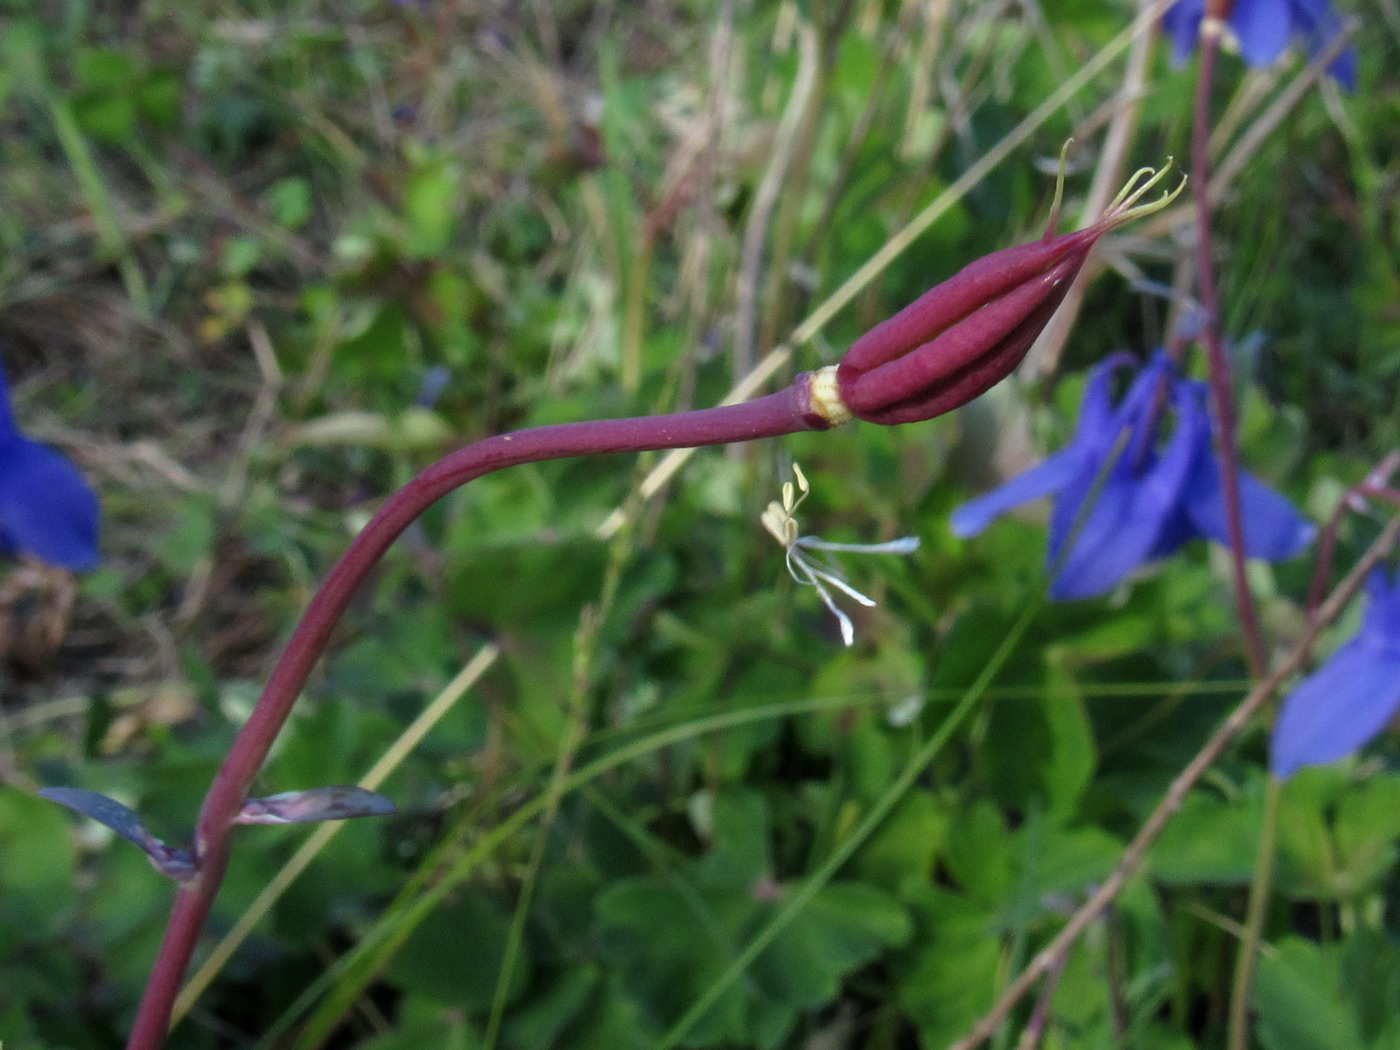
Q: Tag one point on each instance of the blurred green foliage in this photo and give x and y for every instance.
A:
(236, 239)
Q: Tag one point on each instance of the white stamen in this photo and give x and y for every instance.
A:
(903, 545)
(778, 518)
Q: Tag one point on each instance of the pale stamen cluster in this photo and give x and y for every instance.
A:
(780, 520)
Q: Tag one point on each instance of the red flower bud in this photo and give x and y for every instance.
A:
(967, 334)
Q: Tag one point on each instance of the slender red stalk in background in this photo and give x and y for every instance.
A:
(1222, 393)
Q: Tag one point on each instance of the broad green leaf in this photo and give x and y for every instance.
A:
(38, 862)
(541, 1019)
(948, 978)
(1073, 860)
(456, 956)
(1209, 840)
(901, 853)
(671, 945)
(1039, 750)
(978, 852)
(739, 826)
(1302, 1000)
(422, 1023)
(1365, 830)
(672, 942)
(845, 926)
(430, 207)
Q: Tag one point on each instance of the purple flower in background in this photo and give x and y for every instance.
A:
(47, 508)
(1264, 29)
(1348, 700)
(1155, 491)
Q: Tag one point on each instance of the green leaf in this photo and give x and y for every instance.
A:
(670, 945)
(455, 956)
(1039, 750)
(739, 824)
(609, 1021)
(422, 1023)
(540, 1021)
(38, 863)
(1123, 634)
(429, 207)
(1370, 966)
(1209, 840)
(671, 942)
(1366, 827)
(1071, 860)
(845, 926)
(901, 853)
(1337, 834)
(978, 852)
(290, 201)
(1301, 998)
(949, 977)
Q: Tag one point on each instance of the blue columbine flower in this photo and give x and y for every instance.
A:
(1155, 492)
(1351, 697)
(47, 508)
(1264, 29)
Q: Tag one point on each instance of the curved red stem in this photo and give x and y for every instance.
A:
(786, 412)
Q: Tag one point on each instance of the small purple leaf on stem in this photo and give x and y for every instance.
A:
(126, 822)
(339, 802)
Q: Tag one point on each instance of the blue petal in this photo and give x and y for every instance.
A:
(1116, 537)
(1318, 24)
(1382, 623)
(7, 416)
(1182, 23)
(1263, 28)
(1095, 413)
(975, 515)
(1337, 710)
(1096, 410)
(1136, 504)
(47, 508)
(1177, 531)
(1274, 530)
(1343, 69)
(1142, 408)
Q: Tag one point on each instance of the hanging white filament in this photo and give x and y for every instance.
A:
(781, 522)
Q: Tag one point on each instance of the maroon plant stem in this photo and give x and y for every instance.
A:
(786, 412)
(1222, 393)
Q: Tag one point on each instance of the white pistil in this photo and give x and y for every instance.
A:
(781, 522)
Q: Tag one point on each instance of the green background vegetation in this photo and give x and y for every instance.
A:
(235, 238)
